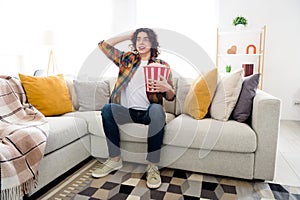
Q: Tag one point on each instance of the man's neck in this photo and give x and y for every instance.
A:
(145, 57)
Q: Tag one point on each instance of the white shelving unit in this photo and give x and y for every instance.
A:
(250, 49)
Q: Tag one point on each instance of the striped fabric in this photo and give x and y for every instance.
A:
(128, 63)
(23, 135)
(154, 73)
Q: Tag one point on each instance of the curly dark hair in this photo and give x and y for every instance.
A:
(153, 40)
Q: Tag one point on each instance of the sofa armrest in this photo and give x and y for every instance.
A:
(265, 122)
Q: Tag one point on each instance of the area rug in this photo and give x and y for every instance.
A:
(130, 183)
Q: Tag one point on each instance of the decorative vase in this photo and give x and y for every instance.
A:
(248, 69)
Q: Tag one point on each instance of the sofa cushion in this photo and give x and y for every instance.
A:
(91, 95)
(63, 131)
(92, 119)
(183, 86)
(210, 134)
(129, 132)
(243, 107)
(226, 95)
(134, 132)
(71, 88)
(49, 94)
(200, 94)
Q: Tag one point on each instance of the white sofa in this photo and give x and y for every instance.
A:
(210, 146)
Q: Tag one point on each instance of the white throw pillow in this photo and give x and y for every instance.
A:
(226, 95)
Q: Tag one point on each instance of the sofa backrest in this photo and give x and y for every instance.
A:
(170, 106)
(93, 94)
(181, 87)
(71, 88)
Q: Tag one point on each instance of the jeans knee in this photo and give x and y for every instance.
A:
(106, 110)
(157, 111)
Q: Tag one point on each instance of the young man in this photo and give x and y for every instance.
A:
(129, 101)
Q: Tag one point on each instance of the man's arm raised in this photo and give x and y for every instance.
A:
(115, 40)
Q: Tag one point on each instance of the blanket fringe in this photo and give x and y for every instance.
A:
(17, 193)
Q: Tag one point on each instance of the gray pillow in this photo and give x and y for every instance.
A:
(91, 95)
(243, 108)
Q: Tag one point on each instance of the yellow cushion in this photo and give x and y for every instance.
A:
(200, 95)
(48, 94)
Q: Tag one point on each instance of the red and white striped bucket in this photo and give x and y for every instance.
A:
(153, 73)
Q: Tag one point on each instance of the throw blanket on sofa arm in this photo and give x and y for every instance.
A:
(23, 135)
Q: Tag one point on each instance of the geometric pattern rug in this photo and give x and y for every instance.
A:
(130, 183)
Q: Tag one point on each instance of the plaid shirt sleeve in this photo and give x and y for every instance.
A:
(170, 81)
(127, 62)
(111, 52)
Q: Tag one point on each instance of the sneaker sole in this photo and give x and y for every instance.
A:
(153, 186)
(102, 175)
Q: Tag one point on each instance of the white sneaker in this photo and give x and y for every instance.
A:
(153, 177)
(107, 167)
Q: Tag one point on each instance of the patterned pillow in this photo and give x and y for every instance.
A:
(243, 108)
(200, 95)
(226, 95)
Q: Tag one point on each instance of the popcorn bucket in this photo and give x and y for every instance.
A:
(153, 73)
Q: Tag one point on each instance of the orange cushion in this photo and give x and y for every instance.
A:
(200, 95)
(48, 94)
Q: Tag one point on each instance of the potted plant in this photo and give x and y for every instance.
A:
(228, 68)
(239, 22)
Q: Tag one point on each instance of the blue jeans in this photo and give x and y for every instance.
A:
(115, 114)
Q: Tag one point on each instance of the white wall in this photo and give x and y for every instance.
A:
(79, 25)
(124, 15)
(196, 19)
(282, 63)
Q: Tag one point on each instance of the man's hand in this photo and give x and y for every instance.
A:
(159, 86)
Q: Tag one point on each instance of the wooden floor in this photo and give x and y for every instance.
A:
(288, 156)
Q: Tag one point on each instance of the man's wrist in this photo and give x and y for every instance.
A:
(170, 94)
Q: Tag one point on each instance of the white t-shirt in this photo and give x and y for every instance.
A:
(134, 95)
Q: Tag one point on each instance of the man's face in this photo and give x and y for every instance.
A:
(143, 44)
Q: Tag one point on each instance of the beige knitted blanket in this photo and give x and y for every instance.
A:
(23, 136)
